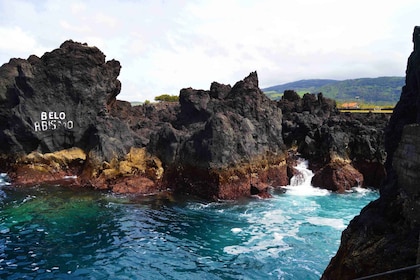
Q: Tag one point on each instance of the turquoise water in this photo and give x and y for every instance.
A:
(64, 233)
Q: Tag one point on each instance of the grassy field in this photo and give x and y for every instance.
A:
(364, 111)
(380, 107)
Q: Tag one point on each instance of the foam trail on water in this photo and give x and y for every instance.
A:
(300, 184)
(4, 179)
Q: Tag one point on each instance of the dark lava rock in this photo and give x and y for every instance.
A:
(223, 139)
(385, 236)
(59, 117)
(60, 101)
(320, 133)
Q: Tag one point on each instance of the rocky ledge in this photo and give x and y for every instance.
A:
(60, 122)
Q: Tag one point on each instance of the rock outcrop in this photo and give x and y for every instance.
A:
(223, 141)
(52, 105)
(385, 236)
(59, 119)
(345, 150)
(60, 101)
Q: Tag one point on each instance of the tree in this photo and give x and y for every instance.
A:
(167, 97)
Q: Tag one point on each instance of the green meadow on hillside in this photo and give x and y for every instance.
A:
(382, 91)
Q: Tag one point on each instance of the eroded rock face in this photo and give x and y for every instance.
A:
(222, 141)
(215, 144)
(385, 236)
(60, 102)
(345, 150)
(338, 176)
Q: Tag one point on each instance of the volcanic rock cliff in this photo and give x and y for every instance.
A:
(385, 236)
(60, 122)
(223, 141)
(55, 121)
(345, 150)
(59, 118)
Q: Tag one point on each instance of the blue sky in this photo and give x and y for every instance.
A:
(164, 45)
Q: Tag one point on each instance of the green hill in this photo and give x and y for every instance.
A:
(369, 90)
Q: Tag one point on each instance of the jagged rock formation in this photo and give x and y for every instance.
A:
(223, 140)
(61, 102)
(385, 236)
(60, 119)
(345, 150)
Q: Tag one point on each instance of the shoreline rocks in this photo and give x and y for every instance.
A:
(214, 143)
(223, 143)
(222, 140)
(343, 149)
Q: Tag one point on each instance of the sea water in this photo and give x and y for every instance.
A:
(59, 232)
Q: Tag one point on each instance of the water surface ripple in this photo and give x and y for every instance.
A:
(62, 233)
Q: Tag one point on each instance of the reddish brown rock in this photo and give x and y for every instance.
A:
(134, 185)
(338, 176)
(49, 168)
(373, 172)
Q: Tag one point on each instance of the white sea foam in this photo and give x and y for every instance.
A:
(300, 184)
(331, 222)
(4, 179)
(362, 191)
(306, 191)
(236, 230)
(267, 230)
(263, 245)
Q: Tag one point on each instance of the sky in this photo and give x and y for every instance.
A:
(164, 46)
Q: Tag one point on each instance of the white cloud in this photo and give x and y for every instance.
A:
(15, 40)
(164, 46)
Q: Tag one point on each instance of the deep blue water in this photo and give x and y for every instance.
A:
(64, 233)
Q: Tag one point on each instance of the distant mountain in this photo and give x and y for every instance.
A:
(302, 84)
(369, 90)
